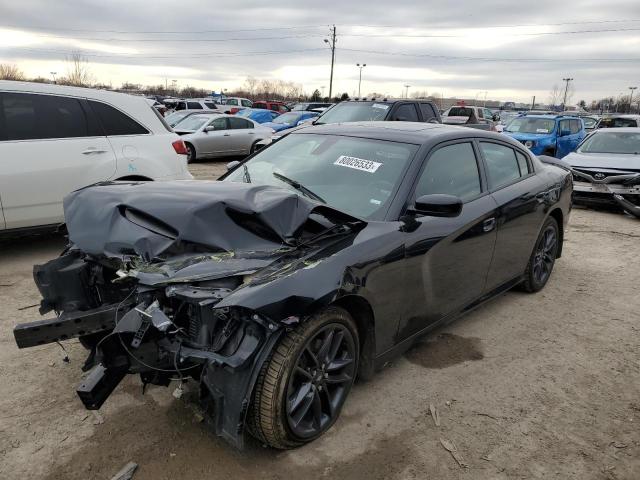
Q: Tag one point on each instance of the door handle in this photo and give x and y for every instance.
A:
(226, 135)
(92, 150)
(251, 133)
(489, 224)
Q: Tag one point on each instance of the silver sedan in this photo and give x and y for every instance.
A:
(208, 135)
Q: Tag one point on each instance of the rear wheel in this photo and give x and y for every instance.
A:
(543, 257)
(254, 147)
(304, 384)
(191, 153)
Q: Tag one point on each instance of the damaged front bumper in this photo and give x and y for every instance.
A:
(617, 190)
(161, 332)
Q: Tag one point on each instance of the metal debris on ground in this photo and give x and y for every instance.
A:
(126, 473)
(453, 450)
(434, 414)
(29, 306)
(98, 419)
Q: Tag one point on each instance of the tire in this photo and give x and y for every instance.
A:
(281, 395)
(191, 155)
(253, 148)
(543, 257)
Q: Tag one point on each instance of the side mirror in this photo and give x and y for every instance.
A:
(496, 117)
(564, 133)
(232, 165)
(209, 128)
(438, 205)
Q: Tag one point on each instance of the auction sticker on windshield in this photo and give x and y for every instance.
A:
(357, 163)
(380, 105)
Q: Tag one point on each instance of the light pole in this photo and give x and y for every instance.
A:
(631, 98)
(566, 89)
(53, 74)
(360, 79)
(322, 88)
(332, 45)
(485, 99)
(406, 95)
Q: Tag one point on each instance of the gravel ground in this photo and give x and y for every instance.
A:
(527, 386)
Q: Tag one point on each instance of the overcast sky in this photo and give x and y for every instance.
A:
(512, 50)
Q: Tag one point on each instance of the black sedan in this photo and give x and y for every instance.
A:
(314, 261)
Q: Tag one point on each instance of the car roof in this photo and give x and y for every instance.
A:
(618, 129)
(622, 116)
(418, 133)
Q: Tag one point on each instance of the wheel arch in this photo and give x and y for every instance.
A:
(135, 178)
(362, 313)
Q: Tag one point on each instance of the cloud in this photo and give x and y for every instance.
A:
(459, 47)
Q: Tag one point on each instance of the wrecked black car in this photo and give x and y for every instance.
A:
(314, 261)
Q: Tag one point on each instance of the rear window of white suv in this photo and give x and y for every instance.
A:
(115, 122)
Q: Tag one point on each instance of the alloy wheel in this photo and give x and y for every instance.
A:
(545, 254)
(320, 381)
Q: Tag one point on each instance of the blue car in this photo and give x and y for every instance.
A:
(258, 115)
(290, 120)
(552, 135)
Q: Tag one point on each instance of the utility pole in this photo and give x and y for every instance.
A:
(360, 80)
(631, 98)
(53, 74)
(332, 45)
(566, 89)
(533, 102)
(406, 95)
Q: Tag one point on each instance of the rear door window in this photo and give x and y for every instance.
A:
(575, 126)
(407, 112)
(114, 122)
(502, 165)
(236, 123)
(210, 105)
(31, 117)
(246, 103)
(194, 106)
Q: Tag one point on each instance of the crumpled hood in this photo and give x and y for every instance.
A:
(278, 126)
(604, 161)
(149, 219)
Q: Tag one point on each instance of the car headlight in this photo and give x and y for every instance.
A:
(529, 144)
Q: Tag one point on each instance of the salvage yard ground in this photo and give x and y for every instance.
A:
(527, 386)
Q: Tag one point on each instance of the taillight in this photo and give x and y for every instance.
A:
(180, 147)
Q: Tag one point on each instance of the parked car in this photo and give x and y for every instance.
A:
(618, 121)
(319, 259)
(308, 106)
(218, 135)
(470, 116)
(590, 123)
(290, 120)
(258, 115)
(606, 169)
(176, 117)
(274, 105)
(192, 104)
(64, 138)
(551, 135)
(233, 104)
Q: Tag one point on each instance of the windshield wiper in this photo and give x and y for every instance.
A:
(298, 186)
(247, 176)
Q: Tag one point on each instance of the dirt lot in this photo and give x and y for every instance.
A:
(528, 386)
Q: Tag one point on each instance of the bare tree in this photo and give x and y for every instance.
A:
(78, 72)
(10, 71)
(555, 95)
(250, 85)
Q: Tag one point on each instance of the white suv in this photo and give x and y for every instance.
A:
(56, 139)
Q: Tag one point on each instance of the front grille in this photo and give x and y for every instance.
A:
(601, 174)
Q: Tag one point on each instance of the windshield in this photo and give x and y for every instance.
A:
(175, 117)
(355, 112)
(287, 118)
(193, 122)
(531, 125)
(300, 106)
(245, 113)
(589, 122)
(355, 175)
(459, 112)
(617, 122)
(612, 142)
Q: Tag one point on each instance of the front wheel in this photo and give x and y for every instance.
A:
(543, 257)
(303, 385)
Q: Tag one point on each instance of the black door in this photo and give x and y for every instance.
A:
(520, 212)
(448, 258)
